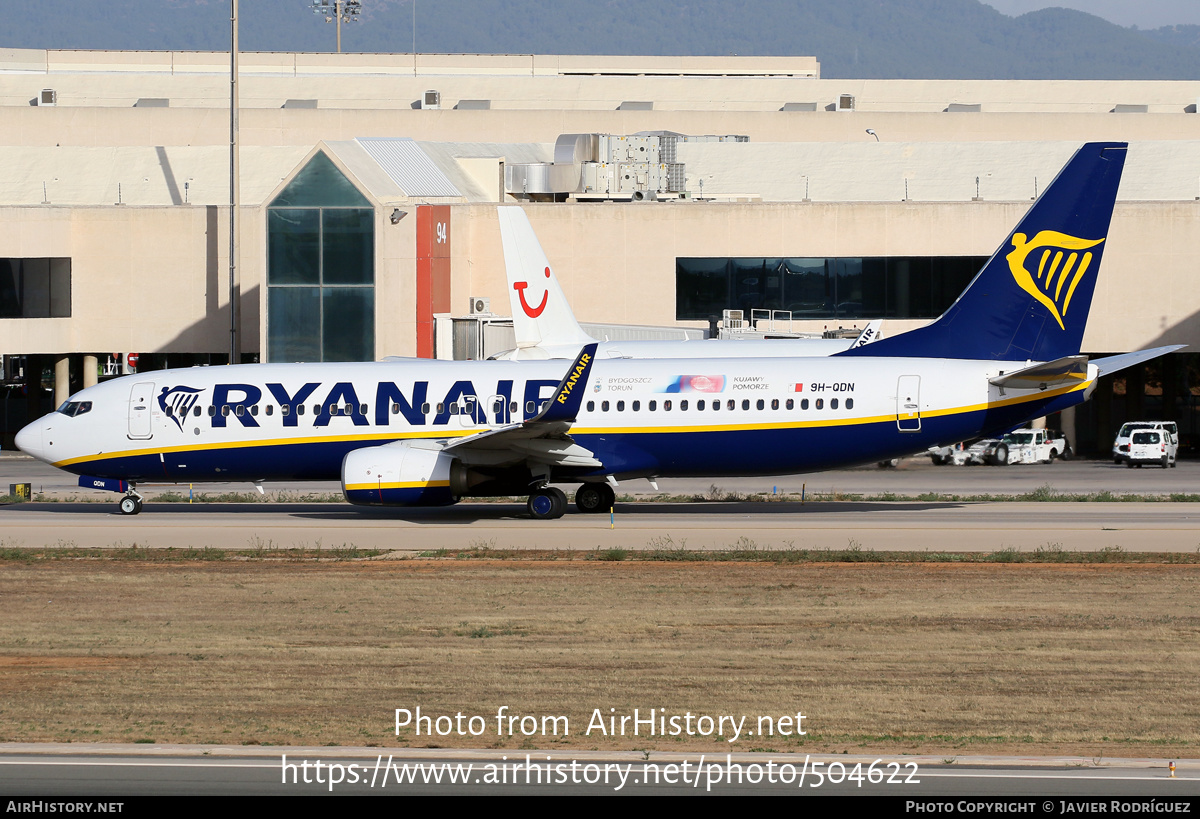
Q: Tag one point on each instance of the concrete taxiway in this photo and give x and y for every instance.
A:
(867, 524)
(979, 527)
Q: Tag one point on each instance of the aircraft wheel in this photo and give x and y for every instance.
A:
(594, 498)
(130, 505)
(547, 503)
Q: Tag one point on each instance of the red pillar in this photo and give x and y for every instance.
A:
(433, 272)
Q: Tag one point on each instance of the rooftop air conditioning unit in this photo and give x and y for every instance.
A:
(48, 97)
(432, 100)
(480, 305)
(845, 102)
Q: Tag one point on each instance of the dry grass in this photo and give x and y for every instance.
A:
(1097, 660)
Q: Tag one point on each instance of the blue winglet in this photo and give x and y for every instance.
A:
(1031, 300)
(564, 405)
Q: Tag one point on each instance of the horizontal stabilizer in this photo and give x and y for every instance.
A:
(1116, 363)
(1064, 371)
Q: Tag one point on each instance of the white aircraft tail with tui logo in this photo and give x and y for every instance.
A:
(546, 328)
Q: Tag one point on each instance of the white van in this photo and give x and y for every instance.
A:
(1151, 446)
(1120, 449)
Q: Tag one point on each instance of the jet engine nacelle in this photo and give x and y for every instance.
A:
(399, 474)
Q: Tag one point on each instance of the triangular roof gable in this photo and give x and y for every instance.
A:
(323, 180)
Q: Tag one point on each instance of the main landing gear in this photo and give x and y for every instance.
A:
(548, 503)
(594, 498)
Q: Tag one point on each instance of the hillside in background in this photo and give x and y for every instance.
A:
(930, 39)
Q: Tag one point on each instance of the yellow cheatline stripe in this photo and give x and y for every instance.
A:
(351, 487)
(579, 430)
(378, 436)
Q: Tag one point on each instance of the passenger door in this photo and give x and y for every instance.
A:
(908, 403)
(140, 397)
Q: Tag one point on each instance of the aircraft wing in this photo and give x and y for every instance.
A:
(542, 439)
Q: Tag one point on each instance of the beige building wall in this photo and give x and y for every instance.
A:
(96, 126)
(143, 279)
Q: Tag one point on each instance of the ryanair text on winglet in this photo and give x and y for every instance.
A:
(580, 368)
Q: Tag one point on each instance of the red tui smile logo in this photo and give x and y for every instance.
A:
(532, 312)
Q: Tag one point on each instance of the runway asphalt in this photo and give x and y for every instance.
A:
(914, 476)
(865, 524)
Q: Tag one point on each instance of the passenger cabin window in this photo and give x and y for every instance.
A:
(591, 406)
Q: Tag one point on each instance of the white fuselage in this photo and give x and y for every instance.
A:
(639, 417)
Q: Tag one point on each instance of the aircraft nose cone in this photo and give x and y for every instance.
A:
(29, 441)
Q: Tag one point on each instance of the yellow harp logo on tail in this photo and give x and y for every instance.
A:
(1060, 267)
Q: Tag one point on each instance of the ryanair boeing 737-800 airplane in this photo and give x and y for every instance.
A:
(421, 432)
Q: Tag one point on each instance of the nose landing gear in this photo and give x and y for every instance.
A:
(131, 504)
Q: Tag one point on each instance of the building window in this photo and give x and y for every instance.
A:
(35, 288)
(823, 288)
(320, 269)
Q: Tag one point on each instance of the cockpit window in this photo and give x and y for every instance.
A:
(73, 408)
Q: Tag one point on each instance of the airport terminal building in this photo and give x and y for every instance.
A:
(665, 191)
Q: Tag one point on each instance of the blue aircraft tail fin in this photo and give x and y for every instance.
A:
(1031, 299)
